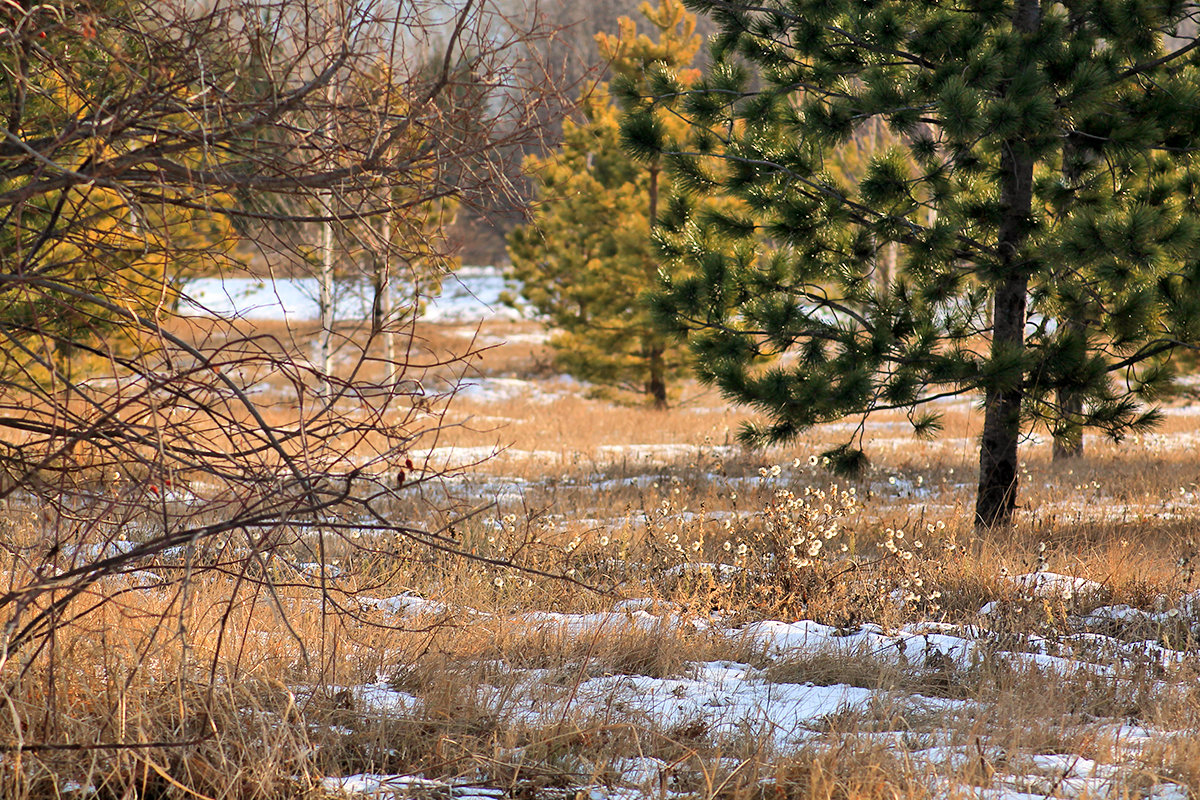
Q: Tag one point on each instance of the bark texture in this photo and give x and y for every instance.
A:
(998, 465)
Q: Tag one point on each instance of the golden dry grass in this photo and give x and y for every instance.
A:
(242, 687)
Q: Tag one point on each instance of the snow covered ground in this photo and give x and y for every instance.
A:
(772, 701)
(471, 293)
(905, 689)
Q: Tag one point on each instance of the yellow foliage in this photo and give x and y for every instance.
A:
(93, 255)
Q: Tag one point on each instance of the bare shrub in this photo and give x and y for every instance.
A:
(169, 481)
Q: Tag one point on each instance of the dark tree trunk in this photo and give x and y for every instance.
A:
(998, 467)
(997, 496)
(656, 382)
(379, 285)
(1070, 411)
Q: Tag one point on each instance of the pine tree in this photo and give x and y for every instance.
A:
(1043, 203)
(587, 259)
(63, 237)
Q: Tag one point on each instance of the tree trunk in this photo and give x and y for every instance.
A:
(325, 301)
(887, 265)
(656, 383)
(998, 467)
(656, 380)
(1070, 404)
(997, 495)
(1070, 408)
(381, 306)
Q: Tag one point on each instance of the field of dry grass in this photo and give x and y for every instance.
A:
(627, 604)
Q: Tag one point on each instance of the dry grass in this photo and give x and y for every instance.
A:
(193, 690)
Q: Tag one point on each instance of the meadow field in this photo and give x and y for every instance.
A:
(301, 501)
(608, 601)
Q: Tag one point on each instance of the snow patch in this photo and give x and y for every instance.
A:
(1053, 586)
(467, 294)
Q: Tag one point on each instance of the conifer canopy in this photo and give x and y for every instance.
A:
(586, 262)
(1031, 237)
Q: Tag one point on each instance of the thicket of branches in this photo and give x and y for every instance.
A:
(144, 141)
